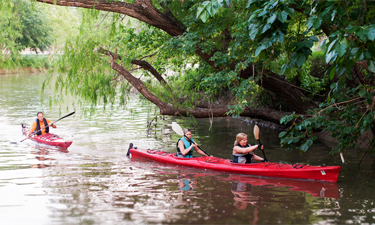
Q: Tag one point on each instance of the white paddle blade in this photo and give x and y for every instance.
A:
(256, 132)
(177, 129)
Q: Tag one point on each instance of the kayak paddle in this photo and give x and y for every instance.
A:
(256, 135)
(177, 128)
(44, 127)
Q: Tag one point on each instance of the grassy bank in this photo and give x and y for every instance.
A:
(29, 63)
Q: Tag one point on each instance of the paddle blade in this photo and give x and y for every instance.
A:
(256, 132)
(177, 128)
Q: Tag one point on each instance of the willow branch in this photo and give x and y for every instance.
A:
(337, 104)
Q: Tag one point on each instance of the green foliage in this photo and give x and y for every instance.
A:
(285, 39)
(281, 36)
(36, 29)
(10, 27)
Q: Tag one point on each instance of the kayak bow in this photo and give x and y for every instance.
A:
(267, 169)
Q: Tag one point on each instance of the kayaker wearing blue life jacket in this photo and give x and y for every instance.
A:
(40, 125)
(186, 144)
(243, 152)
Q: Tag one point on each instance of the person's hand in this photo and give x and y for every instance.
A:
(195, 144)
(50, 124)
(260, 146)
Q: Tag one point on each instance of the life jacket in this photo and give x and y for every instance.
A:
(38, 126)
(187, 144)
(243, 158)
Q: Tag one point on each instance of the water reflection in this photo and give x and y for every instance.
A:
(186, 182)
(243, 196)
(43, 154)
(315, 189)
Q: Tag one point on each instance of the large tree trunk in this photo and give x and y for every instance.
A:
(213, 111)
(290, 94)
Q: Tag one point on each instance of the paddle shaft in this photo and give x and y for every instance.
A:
(264, 155)
(47, 126)
(197, 146)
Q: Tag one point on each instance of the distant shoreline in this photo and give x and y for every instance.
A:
(22, 70)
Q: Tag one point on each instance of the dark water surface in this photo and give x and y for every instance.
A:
(92, 182)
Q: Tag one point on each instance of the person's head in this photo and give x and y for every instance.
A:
(187, 132)
(40, 116)
(241, 139)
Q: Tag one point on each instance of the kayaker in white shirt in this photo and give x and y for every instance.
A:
(243, 152)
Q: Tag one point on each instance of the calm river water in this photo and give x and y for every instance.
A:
(92, 182)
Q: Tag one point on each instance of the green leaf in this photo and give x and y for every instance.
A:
(306, 145)
(313, 22)
(362, 34)
(290, 11)
(266, 27)
(331, 56)
(200, 10)
(258, 50)
(282, 134)
(352, 29)
(331, 45)
(316, 23)
(271, 19)
(340, 70)
(314, 38)
(204, 16)
(281, 37)
(362, 92)
(253, 33)
(263, 13)
(332, 74)
(282, 16)
(371, 33)
(300, 60)
(333, 15)
(340, 49)
(371, 65)
(283, 68)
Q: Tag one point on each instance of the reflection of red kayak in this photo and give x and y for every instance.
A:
(317, 189)
(268, 169)
(48, 139)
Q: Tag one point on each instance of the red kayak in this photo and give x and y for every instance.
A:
(48, 139)
(267, 169)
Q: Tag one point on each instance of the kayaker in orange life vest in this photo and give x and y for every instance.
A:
(185, 146)
(243, 152)
(40, 125)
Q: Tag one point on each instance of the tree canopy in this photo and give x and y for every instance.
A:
(309, 64)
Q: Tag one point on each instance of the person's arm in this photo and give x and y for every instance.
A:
(50, 123)
(239, 150)
(257, 158)
(198, 150)
(32, 129)
(184, 151)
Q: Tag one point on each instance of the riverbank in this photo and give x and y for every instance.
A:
(26, 64)
(22, 70)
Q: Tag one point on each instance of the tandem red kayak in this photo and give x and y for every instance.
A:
(266, 169)
(48, 139)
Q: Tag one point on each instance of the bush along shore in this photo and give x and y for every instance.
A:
(27, 64)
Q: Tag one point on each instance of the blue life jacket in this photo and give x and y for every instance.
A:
(187, 144)
(243, 158)
(38, 126)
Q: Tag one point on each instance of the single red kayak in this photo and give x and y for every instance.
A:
(48, 139)
(267, 169)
